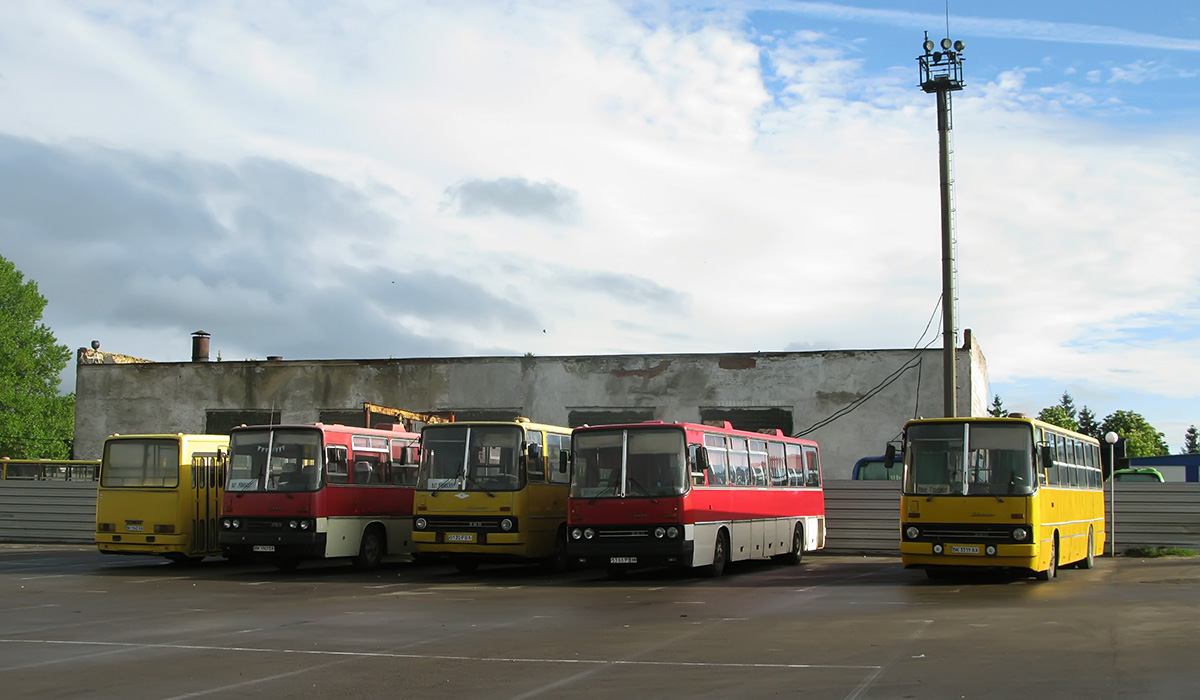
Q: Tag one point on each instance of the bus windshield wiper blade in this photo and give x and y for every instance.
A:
(481, 488)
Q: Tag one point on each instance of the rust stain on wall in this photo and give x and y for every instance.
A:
(737, 362)
(643, 373)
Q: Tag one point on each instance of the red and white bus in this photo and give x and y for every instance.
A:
(297, 492)
(688, 495)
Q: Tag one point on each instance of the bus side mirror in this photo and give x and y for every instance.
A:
(1047, 456)
(564, 461)
(889, 456)
(534, 450)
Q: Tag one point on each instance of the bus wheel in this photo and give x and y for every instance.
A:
(370, 552)
(1052, 570)
(797, 554)
(720, 557)
(1090, 560)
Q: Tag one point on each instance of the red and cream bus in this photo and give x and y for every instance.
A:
(317, 491)
(688, 495)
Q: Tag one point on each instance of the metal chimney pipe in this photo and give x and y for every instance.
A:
(200, 346)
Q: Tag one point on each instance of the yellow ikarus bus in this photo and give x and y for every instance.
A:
(1012, 493)
(161, 495)
(492, 491)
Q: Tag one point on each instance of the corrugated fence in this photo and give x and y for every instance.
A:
(861, 516)
(60, 512)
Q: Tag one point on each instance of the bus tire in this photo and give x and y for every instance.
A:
(1090, 560)
(796, 556)
(370, 550)
(720, 556)
(1052, 570)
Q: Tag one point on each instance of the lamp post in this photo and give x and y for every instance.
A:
(1111, 438)
(941, 73)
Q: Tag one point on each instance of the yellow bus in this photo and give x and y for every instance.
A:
(161, 495)
(491, 492)
(49, 469)
(1014, 493)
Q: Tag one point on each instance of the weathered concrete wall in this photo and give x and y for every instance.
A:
(174, 397)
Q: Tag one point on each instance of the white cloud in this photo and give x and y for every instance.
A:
(623, 183)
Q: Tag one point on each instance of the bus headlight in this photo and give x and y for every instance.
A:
(305, 524)
(292, 524)
(236, 523)
(421, 523)
(224, 523)
(576, 534)
(937, 549)
(1020, 534)
(912, 532)
(589, 534)
(506, 525)
(672, 532)
(660, 532)
(990, 550)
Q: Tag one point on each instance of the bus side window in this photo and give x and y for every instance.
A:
(337, 467)
(558, 451)
(697, 464)
(535, 457)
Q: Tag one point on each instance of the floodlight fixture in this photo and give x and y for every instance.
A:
(947, 44)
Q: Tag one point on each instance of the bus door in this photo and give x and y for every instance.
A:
(204, 510)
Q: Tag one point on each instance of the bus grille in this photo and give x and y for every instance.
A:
(964, 533)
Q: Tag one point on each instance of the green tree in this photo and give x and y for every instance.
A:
(34, 420)
(1141, 439)
(1191, 441)
(1088, 424)
(997, 409)
(1057, 415)
(1068, 405)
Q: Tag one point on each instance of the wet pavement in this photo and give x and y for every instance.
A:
(74, 623)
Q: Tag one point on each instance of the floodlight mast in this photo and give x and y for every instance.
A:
(941, 73)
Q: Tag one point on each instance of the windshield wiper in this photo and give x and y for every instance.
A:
(445, 487)
(643, 489)
(481, 488)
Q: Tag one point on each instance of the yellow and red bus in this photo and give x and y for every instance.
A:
(160, 494)
(318, 491)
(1012, 493)
(492, 492)
(689, 495)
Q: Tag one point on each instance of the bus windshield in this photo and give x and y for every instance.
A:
(140, 463)
(969, 459)
(294, 464)
(629, 463)
(471, 458)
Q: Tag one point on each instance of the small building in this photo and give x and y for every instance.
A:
(851, 401)
(1172, 467)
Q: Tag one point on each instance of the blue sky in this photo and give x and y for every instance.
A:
(398, 179)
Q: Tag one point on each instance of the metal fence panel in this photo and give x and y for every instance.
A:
(57, 512)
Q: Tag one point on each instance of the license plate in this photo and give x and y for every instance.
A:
(622, 560)
(264, 548)
(460, 538)
(964, 549)
(135, 528)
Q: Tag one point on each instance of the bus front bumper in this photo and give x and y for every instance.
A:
(109, 543)
(273, 545)
(925, 554)
(644, 552)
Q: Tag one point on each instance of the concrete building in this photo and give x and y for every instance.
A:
(851, 401)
